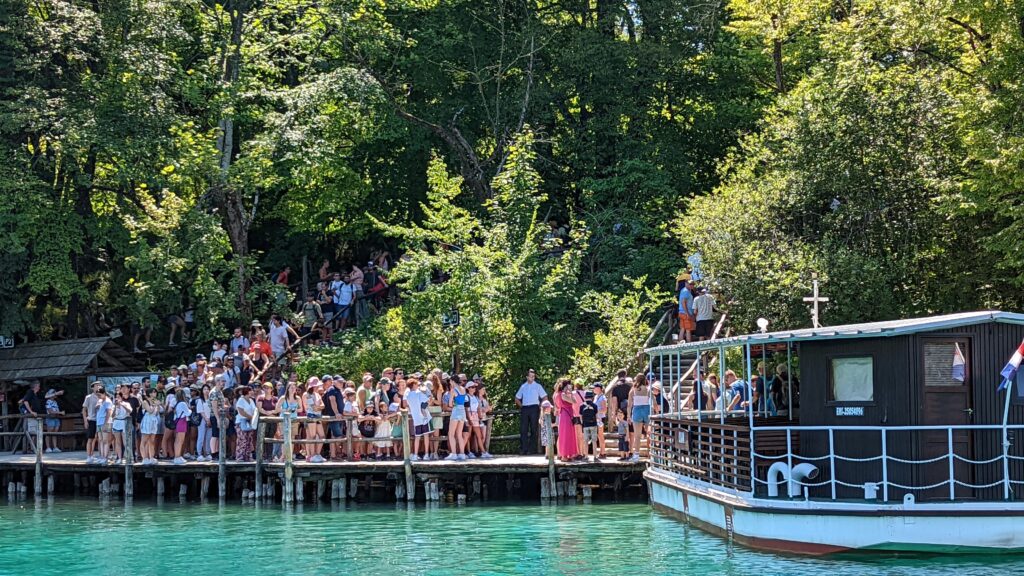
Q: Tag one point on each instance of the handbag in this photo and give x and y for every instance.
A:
(169, 420)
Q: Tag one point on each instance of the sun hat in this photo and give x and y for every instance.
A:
(51, 393)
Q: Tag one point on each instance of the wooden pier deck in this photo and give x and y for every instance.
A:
(75, 462)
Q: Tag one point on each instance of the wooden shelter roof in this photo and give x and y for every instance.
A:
(65, 359)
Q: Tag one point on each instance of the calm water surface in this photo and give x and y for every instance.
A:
(90, 537)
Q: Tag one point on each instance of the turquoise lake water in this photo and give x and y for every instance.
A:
(90, 537)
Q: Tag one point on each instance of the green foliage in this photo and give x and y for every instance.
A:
(626, 321)
(516, 301)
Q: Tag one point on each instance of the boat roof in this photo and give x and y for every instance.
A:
(849, 331)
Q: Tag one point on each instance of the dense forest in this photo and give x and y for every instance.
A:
(159, 155)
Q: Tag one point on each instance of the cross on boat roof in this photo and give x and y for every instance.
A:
(848, 331)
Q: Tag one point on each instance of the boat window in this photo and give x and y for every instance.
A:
(945, 363)
(852, 379)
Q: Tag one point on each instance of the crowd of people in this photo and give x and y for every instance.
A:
(198, 411)
(582, 414)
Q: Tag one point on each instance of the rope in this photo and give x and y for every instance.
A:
(978, 486)
(902, 487)
(902, 461)
(844, 458)
(978, 462)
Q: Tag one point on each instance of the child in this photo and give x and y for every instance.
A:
(368, 427)
(545, 411)
(623, 431)
(588, 415)
(383, 434)
(602, 410)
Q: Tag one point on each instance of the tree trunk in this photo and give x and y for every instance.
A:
(230, 200)
(780, 81)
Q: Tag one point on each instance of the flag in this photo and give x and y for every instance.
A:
(1011, 367)
(959, 364)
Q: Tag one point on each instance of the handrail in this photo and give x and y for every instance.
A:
(696, 361)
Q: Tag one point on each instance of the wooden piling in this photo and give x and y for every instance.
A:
(129, 460)
(349, 425)
(222, 447)
(410, 480)
(49, 484)
(550, 451)
(204, 487)
(39, 457)
(261, 432)
(320, 486)
(286, 433)
(161, 486)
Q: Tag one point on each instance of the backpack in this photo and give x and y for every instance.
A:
(169, 421)
(196, 418)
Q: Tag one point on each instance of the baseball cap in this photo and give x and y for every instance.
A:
(326, 377)
(200, 357)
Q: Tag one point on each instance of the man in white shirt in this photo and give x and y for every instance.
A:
(528, 399)
(232, 374)
(704, 309)
(344, 294)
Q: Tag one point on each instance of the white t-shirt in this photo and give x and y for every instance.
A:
(704, 307)
(103, 412)
(247, 405)
(278, 338)
(415, 399)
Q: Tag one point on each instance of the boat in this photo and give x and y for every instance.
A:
(893, 436)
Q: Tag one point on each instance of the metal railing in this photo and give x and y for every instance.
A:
(738, 458)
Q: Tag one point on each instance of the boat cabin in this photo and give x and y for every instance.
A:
(879, 410)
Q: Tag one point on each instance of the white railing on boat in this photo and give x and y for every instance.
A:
(727, 475)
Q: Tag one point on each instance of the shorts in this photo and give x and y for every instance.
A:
(687, 322)
(421, 429)
(705, 328)
(90, 431)
(150, 424)
(590, 434)
(459, 414)
(118, 426)
(641, 414)
(31, 425)
(181, 426)
(52, 423)
(576, 421)
(335, 429)
(214, 429)
(108, 428)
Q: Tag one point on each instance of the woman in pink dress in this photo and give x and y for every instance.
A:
(565, 402)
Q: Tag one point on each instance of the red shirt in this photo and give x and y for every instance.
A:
(282, 277)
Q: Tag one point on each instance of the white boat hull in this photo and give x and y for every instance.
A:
(810, 527)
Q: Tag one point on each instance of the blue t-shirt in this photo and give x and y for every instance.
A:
(739, 387)
(685, 302)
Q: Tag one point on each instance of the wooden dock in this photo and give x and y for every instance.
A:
(503, 477)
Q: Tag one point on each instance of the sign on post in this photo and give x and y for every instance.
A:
(6, 341)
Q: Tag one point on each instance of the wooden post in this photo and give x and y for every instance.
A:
(39, 457)
(286, 433)
(550, 452)
(320, 485)
(129, 460)
(410, 480)
(349, 424)
(261, 433)
(222, 447)
(161, 486)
